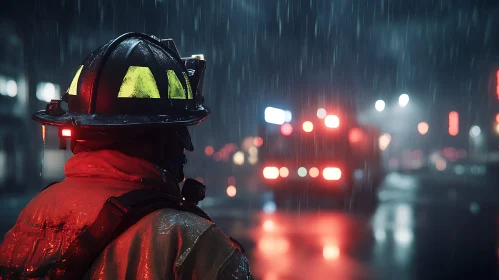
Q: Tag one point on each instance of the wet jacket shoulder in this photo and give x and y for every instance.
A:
(166, 244)
(187, 245)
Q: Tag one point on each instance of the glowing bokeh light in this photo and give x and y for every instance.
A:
(209, 150)
(331, 173)
(379, 105)
(268, 226)
(286, 129)
(331, 252)
(441, 164)
(332, 121)
(253, 159)
(258, 141)
(313, 172)
(302, 172)
(11, 88)
(308, 126)
(475, 131)
(231, 191)
(384, 141)
(321, 113)
(403, 100)
(453, 123)
(275, 116)
(284, 172)
(423, 128)
(238, 158)
(355, 135)
(270, 172)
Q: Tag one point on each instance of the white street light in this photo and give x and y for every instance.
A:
(475, 131)
(275, 116)
(238, 158)
(384, 141)
(11, 88)
(321, 113)
(403, 100)
(287, 116)
(47, 91)
(379, 105)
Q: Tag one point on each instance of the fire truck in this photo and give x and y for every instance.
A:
(318, 153)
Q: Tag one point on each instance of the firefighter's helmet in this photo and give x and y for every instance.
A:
(133, 81)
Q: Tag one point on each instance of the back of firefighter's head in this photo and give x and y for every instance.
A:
(134, 94)
(164, 147)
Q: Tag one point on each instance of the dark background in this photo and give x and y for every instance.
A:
(288, 53)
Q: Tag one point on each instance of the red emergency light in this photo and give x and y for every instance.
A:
(271, 172)
(331, 173)
(453, 123)
(332, 121)
(258, 141)
(355, 135)
(286, 129)
(66, 133)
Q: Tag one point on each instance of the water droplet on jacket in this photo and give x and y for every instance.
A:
(29, 268)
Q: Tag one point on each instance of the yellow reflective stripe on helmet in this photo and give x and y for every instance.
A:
(74, 84)
(139, 83)
(175, 88)
(189, 89)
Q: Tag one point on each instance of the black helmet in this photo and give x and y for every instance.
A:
(133, 81)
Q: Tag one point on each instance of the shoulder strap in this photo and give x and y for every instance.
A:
(115, 217)
(237, 245)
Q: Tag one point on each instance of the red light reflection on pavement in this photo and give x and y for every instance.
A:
(308, 246)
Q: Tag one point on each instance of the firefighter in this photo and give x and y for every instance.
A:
(119, 213)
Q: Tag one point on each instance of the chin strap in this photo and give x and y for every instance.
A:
(175, 165)
(180, 175)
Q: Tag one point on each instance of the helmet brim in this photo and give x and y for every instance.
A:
(122, 121)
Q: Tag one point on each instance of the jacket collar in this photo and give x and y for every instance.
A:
(116, 165)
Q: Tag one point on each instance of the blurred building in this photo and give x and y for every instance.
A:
(33, 65)
(14, 145)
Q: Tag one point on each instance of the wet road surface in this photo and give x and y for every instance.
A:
(426, 226)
